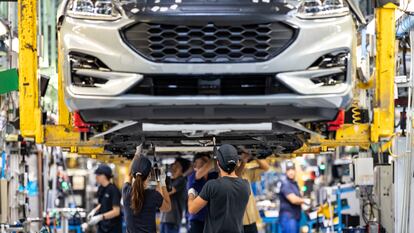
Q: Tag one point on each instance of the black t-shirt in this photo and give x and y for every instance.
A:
(144, 221)
(108, 197)
(178, 202)
(227, 199)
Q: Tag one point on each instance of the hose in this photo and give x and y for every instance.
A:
(3, 165)
(356, 114)
(404, 25)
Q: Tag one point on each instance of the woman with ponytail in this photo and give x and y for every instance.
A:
(141, 203)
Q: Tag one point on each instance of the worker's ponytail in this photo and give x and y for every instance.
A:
(137, 194)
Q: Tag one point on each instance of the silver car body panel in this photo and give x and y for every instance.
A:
(301, 82)
(117, 83)
(102, 40)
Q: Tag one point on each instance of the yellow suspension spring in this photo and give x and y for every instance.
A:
(356, 114)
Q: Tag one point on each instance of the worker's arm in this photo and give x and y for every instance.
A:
(96, 208)
(240, 168)
(198, 201)
(166, 203)
(245, 156)
(263, 164)
(188, 172)
(173, 190)
(93, 212)
(203, 171)
(195, 204)
(295, 200)
(115, 212)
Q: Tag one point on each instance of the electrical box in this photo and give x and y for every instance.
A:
(4, 204)
(363, 171)
(384, 195)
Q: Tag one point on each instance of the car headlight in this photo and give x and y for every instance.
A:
(87, 9)
(314, 9)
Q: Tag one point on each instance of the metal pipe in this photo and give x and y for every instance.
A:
(15, 229)
(404, 25)
(39, 180)
(53, 45)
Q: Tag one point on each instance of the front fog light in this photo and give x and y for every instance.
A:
(82, 61)
(330, 80)
(314, 9)
(98, 10)
(339, 59)
(336, 63)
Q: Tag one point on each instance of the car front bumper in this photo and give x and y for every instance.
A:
(110, 101)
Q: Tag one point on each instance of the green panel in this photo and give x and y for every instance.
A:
(9, 81)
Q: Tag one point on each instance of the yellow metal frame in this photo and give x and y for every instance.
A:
(348, 135)
(58, 135)
(383, 121)
(63, 111)
(30, 112)
(63, 135)
(382, 127)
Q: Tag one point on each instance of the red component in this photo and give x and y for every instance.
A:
(313, 175)
(338, 122)
(79, 124)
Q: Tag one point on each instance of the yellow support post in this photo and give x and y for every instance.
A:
(383, 118)
(382, 126)
(63, 111)
(30, 112)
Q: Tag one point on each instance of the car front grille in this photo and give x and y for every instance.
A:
(209, 43)
(224, 85)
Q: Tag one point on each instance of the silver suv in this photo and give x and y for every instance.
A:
(207, 60)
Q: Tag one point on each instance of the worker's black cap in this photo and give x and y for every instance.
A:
(289, 165)
(141, 166)
(105, 170)
(227, 157)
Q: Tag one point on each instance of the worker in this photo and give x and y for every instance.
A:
(226, 196)
(203, 171)
(171, 221)
(253, 174)
(140, 202)
(290, 201)
(107, 214)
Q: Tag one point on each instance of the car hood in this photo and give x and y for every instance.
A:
(150, 9)
(251, 9)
